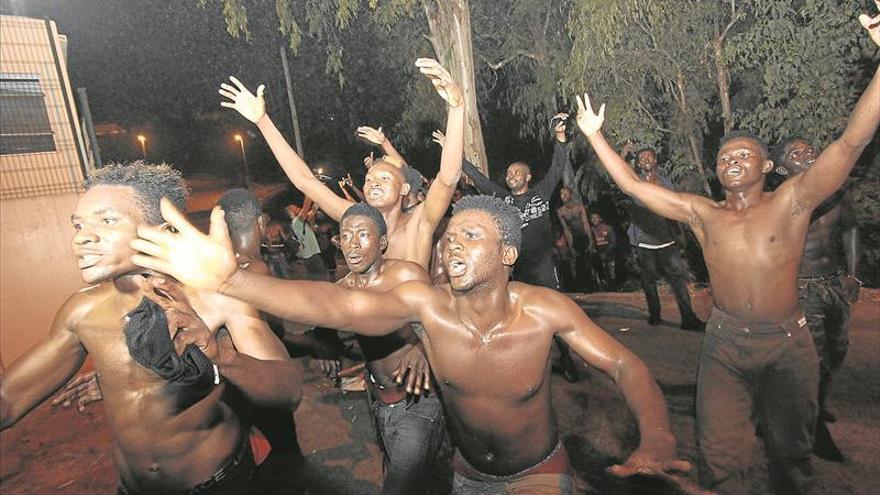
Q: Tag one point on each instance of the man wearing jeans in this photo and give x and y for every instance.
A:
(650, 236)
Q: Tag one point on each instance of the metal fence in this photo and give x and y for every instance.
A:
(41, 149)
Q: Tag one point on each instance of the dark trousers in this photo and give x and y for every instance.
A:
(668, 261)
(764, 372)
(828, 313)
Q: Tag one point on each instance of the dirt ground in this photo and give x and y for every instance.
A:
(55, 450)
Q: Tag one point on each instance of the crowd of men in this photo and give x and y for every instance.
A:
(457, 308)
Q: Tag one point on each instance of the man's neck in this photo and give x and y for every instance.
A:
(370, 276)
(740, 200)
(651, 176)
(520, 190)
(393, 215)
(484, 307)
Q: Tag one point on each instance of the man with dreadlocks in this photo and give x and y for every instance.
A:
(474, 329)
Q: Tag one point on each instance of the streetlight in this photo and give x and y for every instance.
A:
(143, 141)
(247, 178)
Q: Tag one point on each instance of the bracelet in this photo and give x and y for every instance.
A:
(858, 281)
(216, 374)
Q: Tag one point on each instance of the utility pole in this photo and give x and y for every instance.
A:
(293, 117)
(90, 127)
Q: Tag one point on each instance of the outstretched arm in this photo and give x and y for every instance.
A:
(253, 108)
(207, 262)
(440, 193)
(561, 161)
(833, 166)
(664, 202)
(42, 370)
(656, 451)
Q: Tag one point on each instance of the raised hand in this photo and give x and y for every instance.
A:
(442, 81)
(589, 121)
(439, 137)
(374, 136)
(83, 388)
(250, 106)
(200, 261)
(414, 369)
(368, 161)
(656, 458)
(560, 119)
(872, 24)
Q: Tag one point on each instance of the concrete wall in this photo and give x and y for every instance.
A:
(37, 268)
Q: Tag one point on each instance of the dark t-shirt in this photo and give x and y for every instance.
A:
(534, 206)
(647, 227)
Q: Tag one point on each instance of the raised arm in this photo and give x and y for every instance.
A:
(561, 161)
(664, 202)
(656, 451)
(481, 182)
(253, 108)
(833, 166)
(378, 138)
(439, 195)
(206, 262)
(43, 369)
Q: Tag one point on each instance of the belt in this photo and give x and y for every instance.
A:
(556, 462)
(820, 278)
(794, 323)
(385, 395)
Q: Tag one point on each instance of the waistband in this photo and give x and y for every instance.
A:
(231, 468)
(384, 395)
(820, 278)
(719, 319)
(556, 462)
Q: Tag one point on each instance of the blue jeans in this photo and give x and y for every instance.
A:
(764, 372)
(410, 435)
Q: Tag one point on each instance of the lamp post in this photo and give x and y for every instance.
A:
(247, 177)
(143, 140)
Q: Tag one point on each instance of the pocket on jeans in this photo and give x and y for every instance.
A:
(425, 409)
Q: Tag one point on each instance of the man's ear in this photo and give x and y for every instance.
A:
(404, 189)
(383, 243)
(528, 178)
(767, 166)
(509, 255)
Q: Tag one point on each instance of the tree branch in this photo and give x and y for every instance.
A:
(519, 53)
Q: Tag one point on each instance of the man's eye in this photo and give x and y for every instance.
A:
(77, 226)
(110, 221)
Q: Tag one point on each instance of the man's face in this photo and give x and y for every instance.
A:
(741, 164)
(647, 161)
(473, 252)
(518, 176)
(565, 195)
(360, 243)
(384, 185)
(105, 221)
(799, 157)
(595, 219)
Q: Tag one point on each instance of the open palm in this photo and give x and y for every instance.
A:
(250, 106)
(589, 121)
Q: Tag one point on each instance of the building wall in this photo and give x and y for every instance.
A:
(38, 192)
(33, 46)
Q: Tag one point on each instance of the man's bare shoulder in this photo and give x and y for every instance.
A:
(541, 302)
(81, 304)
(405, 271)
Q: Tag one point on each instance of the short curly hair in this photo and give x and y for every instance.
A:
(507, 217)
(150, 183)
(242, 209)
(365, 210)
(751, 136)
(414, 178)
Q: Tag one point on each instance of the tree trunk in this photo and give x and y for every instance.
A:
(449, 23)
(722, 78)
(680, 97)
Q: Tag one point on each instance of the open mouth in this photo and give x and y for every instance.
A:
(354, 259)
(733, 171)
(84, 261)
(374, 193)
(456, 267)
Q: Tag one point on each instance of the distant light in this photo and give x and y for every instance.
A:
(238, 137)
(141, 138)
(320, 171)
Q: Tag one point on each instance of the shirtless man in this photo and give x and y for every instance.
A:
(166, 441)
(573, 217)
(385, 186)
(487, 339)
(827, 281)
(757, 355)
(410, 425)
